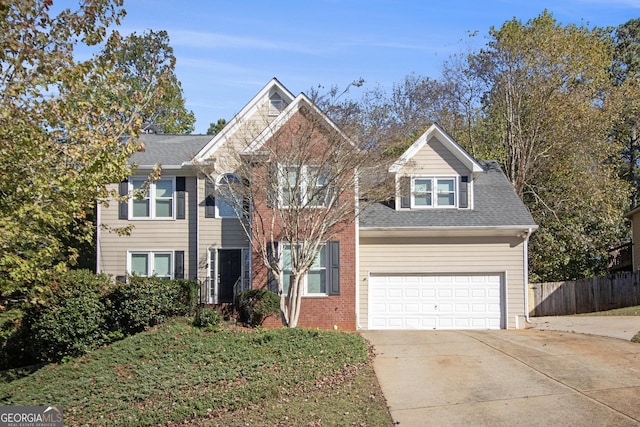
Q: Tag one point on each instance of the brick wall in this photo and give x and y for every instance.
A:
(325, 312)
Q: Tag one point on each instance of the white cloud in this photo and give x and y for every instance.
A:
(206, 40)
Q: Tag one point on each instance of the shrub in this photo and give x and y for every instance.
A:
(208, 318)
(71, 319)
(149, 301)
(255, 305)
(187, 296)
(11, 342)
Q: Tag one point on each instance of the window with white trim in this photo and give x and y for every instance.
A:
(433, 192)
(152, 200)
(150, 263)
(315, 281)
(276, 104)
(303, 186)
(229, 203)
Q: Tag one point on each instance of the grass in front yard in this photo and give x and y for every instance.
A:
(177, 373)
(625, 311)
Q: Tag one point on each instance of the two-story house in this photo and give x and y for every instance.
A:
(448, 252)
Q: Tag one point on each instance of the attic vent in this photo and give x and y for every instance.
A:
(276, 104)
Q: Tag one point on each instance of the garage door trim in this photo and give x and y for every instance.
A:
(416, 307)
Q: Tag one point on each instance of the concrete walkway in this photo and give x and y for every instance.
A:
(507, 378)
(622, 327)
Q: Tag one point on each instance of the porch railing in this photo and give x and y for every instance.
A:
(621, 258)
(206, 295)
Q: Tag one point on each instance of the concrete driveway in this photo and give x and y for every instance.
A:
(507, 378)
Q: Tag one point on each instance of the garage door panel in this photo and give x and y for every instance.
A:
(435, 302)
(479, 293)
(412, 308)
(462, 293)
(379, 293)
(396, 292)
(480, 308)
(412, 292)
(444, 308)
(462, 308)
(428, 293)
(445, 293)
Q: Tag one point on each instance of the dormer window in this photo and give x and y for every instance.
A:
(276, 104)
(433, 192)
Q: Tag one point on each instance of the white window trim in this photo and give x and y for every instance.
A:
(219, 197)
(434, 191)
(150, 260)
(305, 292)
(151, 197)
(304, 185)
(276, 105)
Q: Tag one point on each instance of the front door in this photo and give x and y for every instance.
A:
(229, 273)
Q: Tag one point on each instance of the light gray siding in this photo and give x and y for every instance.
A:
(216, 233)
(435, 159)
(148, 235)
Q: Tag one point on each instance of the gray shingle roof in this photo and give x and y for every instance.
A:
(496, 204)
(169, 150)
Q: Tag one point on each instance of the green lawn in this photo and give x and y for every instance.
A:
(177, 373)
(625, 311)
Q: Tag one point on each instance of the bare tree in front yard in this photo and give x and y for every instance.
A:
(298, 185)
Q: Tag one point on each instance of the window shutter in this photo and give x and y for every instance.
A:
(123, 206)
(272, 283)
(180, 197)
(212, 272)
(463, 192)
(333, 267)
(210, 198)
(272, 185)
(178, 271)
(405, 192)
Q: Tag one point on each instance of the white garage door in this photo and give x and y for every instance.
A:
(435, 302)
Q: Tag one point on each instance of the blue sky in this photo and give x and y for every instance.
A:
(227, 50)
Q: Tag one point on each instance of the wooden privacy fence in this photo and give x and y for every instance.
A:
(585, 295)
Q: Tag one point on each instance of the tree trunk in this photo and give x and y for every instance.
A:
(290, 303)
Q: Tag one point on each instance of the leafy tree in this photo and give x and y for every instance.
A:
(63, 125)
(214, 128)
(625, 72)
(538, 98)
(546, 92)
(147, 63)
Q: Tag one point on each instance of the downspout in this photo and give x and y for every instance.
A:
(526, 274)
(97, 237)
(357, 247)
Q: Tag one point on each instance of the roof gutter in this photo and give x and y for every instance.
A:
(450, 227)
(511, 230)
(166, 167)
